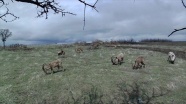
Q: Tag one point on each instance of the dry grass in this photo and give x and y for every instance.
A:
(23, 81)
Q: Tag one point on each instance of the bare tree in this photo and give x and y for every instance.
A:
(5, 33)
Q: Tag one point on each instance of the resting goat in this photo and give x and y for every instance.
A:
(171, 57)
(49, 68)
(139, 63)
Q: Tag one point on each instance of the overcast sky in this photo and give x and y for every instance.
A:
(116, 20)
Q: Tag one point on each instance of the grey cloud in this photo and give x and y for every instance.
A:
(116, 19)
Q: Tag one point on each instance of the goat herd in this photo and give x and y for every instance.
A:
(49, 68)
(115, 60)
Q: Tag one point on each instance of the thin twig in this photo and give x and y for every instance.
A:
(84, 18)
(92, 6)
(95, 3)
(8, 13)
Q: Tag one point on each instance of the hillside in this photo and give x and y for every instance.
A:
(88, 76)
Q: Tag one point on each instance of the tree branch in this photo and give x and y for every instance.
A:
(1, 1)
(92, 6)
(175, 30)
(45, 6)
(3, 16)
(183, 3)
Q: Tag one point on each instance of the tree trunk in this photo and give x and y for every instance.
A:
(4, 44)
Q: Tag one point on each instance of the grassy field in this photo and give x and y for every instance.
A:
(22, 80)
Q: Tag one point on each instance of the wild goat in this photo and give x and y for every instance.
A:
(49, 68)
(95, 45)
(79, 50)
(114, 60)
(171, 57)
(139, 63)
(117, 59)
(185, 50)
(61, 53)
(120, 57)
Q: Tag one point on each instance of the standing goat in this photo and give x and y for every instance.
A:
(171, 57)
(61, 53)
(185, 50)
(120, 58)
(117, 59)
(114, 60)
(79, 50)
(50, 66)
(139, 63)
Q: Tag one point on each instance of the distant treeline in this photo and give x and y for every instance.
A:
(132, 41)
(124, 41)
(155, 40)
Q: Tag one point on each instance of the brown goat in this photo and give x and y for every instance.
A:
(79, 50)
(114, 60)
(50, 66)
(120, 58)
(185, 50)
(95, 45)
(139, 63)
(61, 53)
(117, 59)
